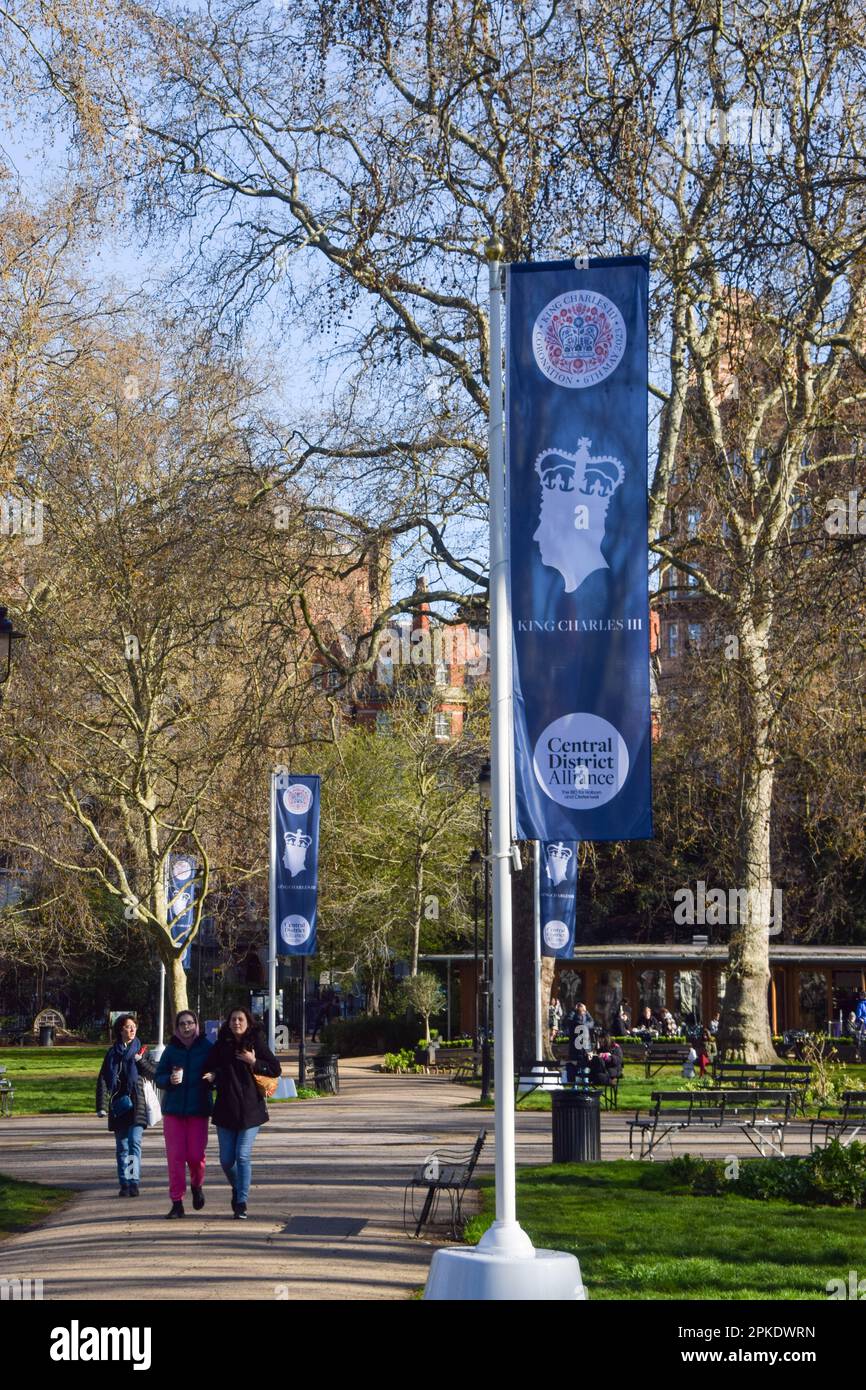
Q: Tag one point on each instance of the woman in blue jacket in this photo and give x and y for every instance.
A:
(186, 1108)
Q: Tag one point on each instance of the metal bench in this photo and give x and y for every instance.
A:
(786, 1076)
(662, 1054)
(7, 1093)
(762, 1115)
(444, 1171)
(542, 1076)
(841, 1122)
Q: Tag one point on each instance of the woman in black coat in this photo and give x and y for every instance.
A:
(239, 1053)
(120, 1096)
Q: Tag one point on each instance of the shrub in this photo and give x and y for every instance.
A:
(368, 1034)
(403, 1061)
(833, 1176)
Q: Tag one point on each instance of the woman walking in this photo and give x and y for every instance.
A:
(120, 1096)
(185, 1110)
(239, 1054)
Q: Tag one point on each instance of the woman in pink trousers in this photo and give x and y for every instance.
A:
(186, 1108)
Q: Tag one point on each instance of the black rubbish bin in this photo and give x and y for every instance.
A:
(576, 1126)
(326, 1075)
(46, 1035)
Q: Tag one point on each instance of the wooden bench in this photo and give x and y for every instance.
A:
(443, 1171)
(842, 1122)
(787, 1076)
(760, 1114)
(662, 1054)
(7, 1093)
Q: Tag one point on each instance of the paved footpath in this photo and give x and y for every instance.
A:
(325, 1211)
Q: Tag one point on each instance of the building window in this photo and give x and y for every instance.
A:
(673, 639)
(440, 673)
(693, 520)
(696, 634)
(442, 725)
(691, 581)
(383, 723)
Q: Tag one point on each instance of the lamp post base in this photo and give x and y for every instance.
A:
(474, 1274)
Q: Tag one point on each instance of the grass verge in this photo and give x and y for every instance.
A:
(640, 1235)
(25, 1204)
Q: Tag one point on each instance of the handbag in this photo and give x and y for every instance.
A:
(152, 1104)
(266, 1085)
(121, 1105)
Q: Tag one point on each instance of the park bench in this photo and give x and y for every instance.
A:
(542, 1076)
(662, 1054)
(7, 1094)
(444, 1171)
(787, 1076)
(843, 1122)
(762, 1115)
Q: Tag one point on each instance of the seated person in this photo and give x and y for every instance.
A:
(622, 1022)
(646, 1024)
(611, 1054)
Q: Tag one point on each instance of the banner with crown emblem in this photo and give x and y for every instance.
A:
(558, 897)
(180, 895)
(576, 403)
(295, 872)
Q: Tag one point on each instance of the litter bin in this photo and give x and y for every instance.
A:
(326, 1076)
(46, 1035)
(576, 1126)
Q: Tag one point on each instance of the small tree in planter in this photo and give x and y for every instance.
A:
(425, 995)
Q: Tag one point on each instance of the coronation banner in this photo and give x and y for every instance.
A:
(558, 895)
(295, 812)
(180, 896)
(576, 401)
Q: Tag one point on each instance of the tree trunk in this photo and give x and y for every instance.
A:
(744, 1032)
(548, 975)
(177, 986)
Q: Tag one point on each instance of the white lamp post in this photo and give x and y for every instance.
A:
(504, 1265)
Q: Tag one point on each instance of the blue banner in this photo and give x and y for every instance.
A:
(295, 873)
(181, 890)
(576, 401)
(558, 897)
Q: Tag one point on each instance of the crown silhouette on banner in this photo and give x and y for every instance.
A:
(591, 475)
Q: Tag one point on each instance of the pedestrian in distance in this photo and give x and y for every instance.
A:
(185, 1110)
(238, 1056)
(120, 1096)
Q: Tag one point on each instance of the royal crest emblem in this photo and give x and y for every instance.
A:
(575, 494)
(297, 799)
(579, 338)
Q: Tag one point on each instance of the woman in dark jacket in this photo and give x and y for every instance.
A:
(185, 1110)
(120, 1096)
(239, 1053)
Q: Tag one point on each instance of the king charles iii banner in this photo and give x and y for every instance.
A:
(576, 384)
(295, 810)
(558, 897)
(181, 892)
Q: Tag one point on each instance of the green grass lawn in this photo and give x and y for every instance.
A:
(57, 1080)
(53, 1080)
(635, 1090)
(24, 1204)
(639, 1236)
